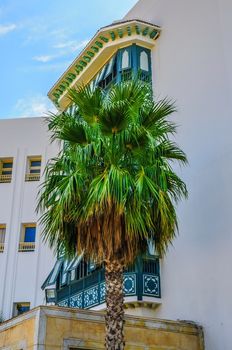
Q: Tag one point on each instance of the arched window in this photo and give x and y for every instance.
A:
(144, 61)
(125, 59)
(110, 67)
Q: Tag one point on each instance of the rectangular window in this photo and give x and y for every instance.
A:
(33, 168)
(29, 234)
(6, 167)
(27, 238)
(20, 308)
(2, 237)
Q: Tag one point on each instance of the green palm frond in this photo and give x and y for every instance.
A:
(89, 102)
(133, 92)
(114, 119)
(112, 188)
(156, 111)
(168, 150)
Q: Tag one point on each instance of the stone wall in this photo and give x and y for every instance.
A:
(19, 333)
(53, 328)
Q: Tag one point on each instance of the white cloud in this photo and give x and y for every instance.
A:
(71, 45)
(53, 67)
(35, 106)
(4, 29)
(80, 45)
(43, 58)
(39, 30)
(62, 49)
(59, 34)
(63, 45)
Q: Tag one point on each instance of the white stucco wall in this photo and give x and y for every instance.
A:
(22, 273)
(192, 64)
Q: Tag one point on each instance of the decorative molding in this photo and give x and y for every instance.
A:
(102, 292)
(63, 303)
(91, 297)
(76, 300)
(151, 285)
(129, 284)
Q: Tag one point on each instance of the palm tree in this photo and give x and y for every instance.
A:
(111, 189)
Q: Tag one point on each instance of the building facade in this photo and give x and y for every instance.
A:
(24, 259)
(183, 48)
(191, 64)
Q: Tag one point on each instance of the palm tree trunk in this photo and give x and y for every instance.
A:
(114, 318)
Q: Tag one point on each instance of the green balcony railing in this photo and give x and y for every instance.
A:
(90, 290)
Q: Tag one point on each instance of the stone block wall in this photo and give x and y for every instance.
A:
(56, 328)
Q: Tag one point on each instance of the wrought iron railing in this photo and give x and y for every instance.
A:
(32, 177)
(5, 178)
(26, 246)
(128, 74)
(90, 291)
(144, 76)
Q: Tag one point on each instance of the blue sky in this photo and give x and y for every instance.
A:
(38, 40)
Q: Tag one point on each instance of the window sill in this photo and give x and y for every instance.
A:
(26, 247)
(5, 178)
(32, 177)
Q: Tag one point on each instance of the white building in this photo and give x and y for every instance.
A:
(190, 62)
(24, 259)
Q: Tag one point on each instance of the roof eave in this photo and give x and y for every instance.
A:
(98, 51)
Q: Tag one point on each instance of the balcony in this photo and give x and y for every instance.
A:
(32, 177)
(26, 246)
(140, 285)
(5, 178)
(1, 247)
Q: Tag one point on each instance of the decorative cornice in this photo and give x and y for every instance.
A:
(98, 51)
